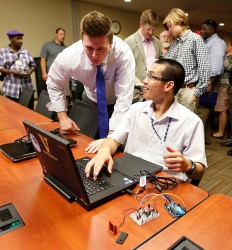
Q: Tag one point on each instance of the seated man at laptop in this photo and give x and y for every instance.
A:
(159, 130)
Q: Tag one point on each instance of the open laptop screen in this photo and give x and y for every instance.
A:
(56, 158)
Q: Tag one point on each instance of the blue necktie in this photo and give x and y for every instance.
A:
(103, 120)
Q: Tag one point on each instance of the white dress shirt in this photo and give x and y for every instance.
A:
(149, 50)
(217, 52)
(119, 73)
(185, 134)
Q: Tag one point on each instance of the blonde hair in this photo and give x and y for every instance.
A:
(176, 16)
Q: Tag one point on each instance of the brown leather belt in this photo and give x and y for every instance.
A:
(189, 85)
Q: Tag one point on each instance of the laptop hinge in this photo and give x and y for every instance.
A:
(67, 194)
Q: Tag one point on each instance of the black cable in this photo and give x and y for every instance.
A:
(161, 183)
(19, 139)
(23, 141)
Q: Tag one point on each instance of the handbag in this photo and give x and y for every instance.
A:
(206, 100)
(2, 76)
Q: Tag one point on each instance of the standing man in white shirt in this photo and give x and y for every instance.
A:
(216, 48)
(97, 47)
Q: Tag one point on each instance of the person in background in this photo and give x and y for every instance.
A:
(228, 74)
(159, 130)
(145, 47)
(48, 54)
(17, 64)
(50, 50)
(216, 48)
(165, 40)
(99, 53)
(223, 100)
(189, 50)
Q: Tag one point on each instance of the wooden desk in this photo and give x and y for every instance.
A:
(12, 114)
(209, 225)
(52, 222)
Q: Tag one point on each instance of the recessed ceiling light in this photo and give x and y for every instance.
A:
(221, 24)
(186, 14)
(127, 0)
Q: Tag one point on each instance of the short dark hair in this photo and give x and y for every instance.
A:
(173, 71)
(96, 24)
(212, 23)
(57, 30)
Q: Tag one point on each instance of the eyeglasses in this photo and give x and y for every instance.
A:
(157, 78)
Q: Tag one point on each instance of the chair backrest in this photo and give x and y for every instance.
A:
(41, 106)
(26, 97)
(195, 182)
(40, 83)
(86, 117)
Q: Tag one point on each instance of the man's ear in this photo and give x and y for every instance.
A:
(170, 85)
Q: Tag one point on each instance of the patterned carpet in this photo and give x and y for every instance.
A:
(218, 176)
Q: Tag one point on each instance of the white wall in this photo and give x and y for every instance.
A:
(38, 20)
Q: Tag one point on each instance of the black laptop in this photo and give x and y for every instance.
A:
(67, 176)
(19, 150)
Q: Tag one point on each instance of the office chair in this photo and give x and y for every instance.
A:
(195, 182)
(86, 117)
(41, 106)
(26, 97)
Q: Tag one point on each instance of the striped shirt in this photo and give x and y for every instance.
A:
(12, 83)
(190, 51)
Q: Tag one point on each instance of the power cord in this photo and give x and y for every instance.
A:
(161, 183)
(23, 141)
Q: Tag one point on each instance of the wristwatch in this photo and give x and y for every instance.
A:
(192, 168)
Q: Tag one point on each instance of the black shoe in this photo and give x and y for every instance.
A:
(226, 143)
(229, 152)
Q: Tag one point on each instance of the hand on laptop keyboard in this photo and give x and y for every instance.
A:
(96, 164)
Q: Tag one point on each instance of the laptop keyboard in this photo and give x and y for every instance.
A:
(92, 187)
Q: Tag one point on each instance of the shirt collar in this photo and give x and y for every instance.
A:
(184, 37)
(211, 38)
(172, 112)
(143, 38)
(20, 51)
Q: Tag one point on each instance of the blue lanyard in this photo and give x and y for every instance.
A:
(166, 132)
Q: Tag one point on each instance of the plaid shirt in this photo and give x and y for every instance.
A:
(190, 51)
(12, 83)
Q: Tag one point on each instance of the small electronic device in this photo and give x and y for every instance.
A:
(57, 132)
(144, 215)
(121, 237)
(9, 219)
(19, 150)
(173, 208)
